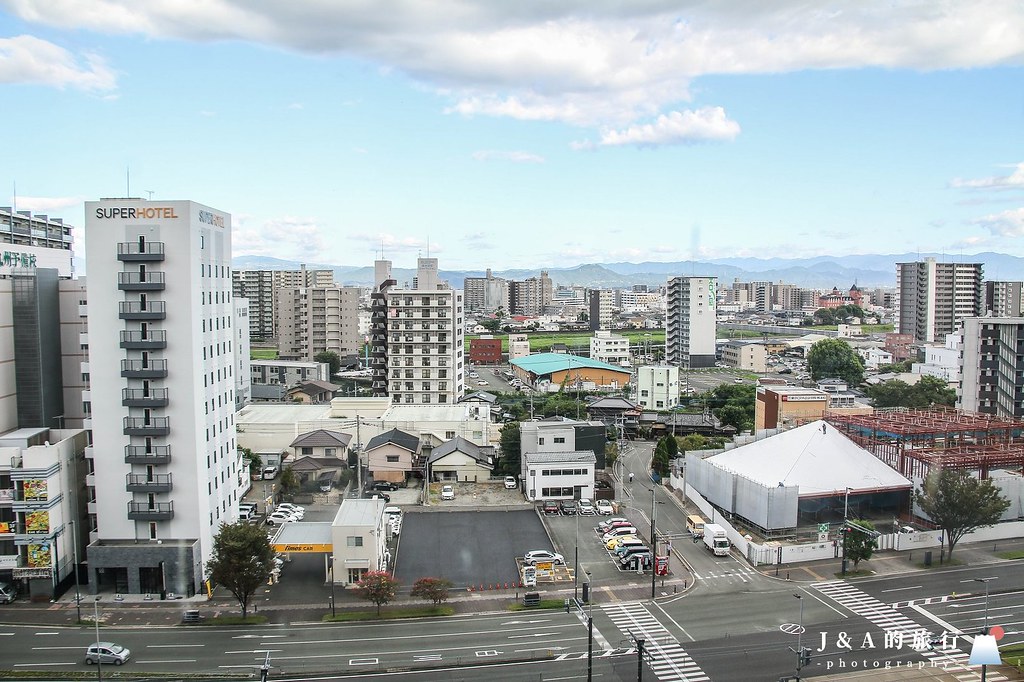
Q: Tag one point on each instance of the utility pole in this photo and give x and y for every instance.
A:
(654, 538)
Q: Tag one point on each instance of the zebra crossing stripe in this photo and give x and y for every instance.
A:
(665, 657)
(886, 617)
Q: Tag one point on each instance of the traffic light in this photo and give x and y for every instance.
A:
(805, 657)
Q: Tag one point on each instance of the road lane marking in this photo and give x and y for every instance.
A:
(805, 590)
(427, 657)
(35, 665)
(47, 633)
(447, 635)
(535, 634)
(172, 660)
(172, 646)
(946, 626)
(898, 589)
(55, 648)
(363, 661)
(681, 628)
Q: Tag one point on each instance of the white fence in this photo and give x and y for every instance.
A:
(769, 553)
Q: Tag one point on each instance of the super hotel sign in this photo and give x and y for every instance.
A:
(304, 548)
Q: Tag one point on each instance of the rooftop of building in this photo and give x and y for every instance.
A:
(456, 412)
(557, 457)
(546, 363)
(359, 513)
(277, 413)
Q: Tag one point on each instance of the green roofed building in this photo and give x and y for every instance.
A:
(559, 369)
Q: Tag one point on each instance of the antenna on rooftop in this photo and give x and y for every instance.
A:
(150, 193)
(128, 181)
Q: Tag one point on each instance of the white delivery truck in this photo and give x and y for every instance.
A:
(715, 539)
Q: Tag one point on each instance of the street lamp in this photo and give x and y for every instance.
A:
(654, 539)
(96, 622)
(576, 564)
(330, 560)
(846, 524)
(799, 638)
(984, 667)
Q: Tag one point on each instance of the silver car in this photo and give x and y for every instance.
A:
(106, 653)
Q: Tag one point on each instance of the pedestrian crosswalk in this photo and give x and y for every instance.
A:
(886, 618)
(920, 602)
(735, 572)
(665, 657)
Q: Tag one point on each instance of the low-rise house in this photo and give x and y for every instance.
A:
(460, 460)
(391, 455)
(320, 456)
(313, 392)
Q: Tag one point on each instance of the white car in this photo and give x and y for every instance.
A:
(510, 483)
(586, 507)
(482, 383)
(474, 375)
(617, 532)
(604, 508)
(447, 492)
(543, 555)
(280, 517)
(298, 512)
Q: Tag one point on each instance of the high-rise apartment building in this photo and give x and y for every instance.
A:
(22, 228)
(530, 296)
(602, 308)
(690, 323)
(425, 340)
(161, 337)
(311, 320)
(1003, 299)
(487, 293)
(992, 368)
(260, 287)
(934, 297)
(379, 361)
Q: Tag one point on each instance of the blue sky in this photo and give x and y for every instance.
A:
(528, 134)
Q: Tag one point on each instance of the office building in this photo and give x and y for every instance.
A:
(425, 340)
(610, 348)
(935, 297)
(992, 368)
(690, 323)
(1003, 299)
(164, 463)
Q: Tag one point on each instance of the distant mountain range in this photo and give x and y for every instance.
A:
(866, 270)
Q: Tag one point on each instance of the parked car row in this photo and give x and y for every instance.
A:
(624, 546)
(536, 556)
(583, 507)
(285, 513)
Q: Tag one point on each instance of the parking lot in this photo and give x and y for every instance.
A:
(469, 548)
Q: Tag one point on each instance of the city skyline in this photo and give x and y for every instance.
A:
(528, 136)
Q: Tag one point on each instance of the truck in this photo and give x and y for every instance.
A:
(715, 539)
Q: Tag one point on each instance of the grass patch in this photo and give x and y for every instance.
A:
(1012, 655)
(390, 614)
(936, 564)
(1018, 554)
(263, 353)
(544, 604)
(232, 620)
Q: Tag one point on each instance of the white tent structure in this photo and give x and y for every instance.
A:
(807, 471)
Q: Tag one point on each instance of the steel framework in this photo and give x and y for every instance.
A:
(913, 441)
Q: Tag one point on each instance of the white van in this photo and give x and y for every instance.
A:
(246, 511)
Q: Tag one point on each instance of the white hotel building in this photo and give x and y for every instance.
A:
(162, 348)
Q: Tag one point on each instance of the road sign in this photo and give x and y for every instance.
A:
(793, 628)
(822, 527)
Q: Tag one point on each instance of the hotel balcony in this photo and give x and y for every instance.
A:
(140, 426)
(148, 483)
(138, 454)
(155, 339)
(140, 281)
(132, 251)
(140, 397)
(143, 511)
(137, 310)
(136, 369)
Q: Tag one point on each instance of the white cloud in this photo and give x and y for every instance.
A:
(295, 105)
(393, 243)
(514, 156)
(47, 204)
(288, 237)
(1014, 180)
(601, 65)
(27, 59)
(1006, 224)
(702, 125)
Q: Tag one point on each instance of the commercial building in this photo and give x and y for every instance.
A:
(779, 407)
(288, 373)
(425, 340)
(552, 371)
(992, 366)
(518, 346)
(610, 348)
(485, 350)
(359, 539)
(935, 297)
(748, 355)
(657, 387)
(690, 323)
(163, 456)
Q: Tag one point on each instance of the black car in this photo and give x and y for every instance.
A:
(550, 507)
(567, 507)
(385, 485)
(374, 493)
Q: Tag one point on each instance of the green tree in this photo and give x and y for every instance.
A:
(289, 481)
(241, 560)
(432, 589)
(959, 503)
(928, 392)
(661, 462)
(492, 325)
(509, 444)
(860, 546)
(254, 460)
(733, 404)
(671, 445)
(611, 454)
(378, 587)
(331, 358)
(835, 358)
(693, 441)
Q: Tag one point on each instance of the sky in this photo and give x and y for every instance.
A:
(528, 134)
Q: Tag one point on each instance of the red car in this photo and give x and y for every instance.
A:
(551, 507)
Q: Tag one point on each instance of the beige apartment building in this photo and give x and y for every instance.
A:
(310, 320)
